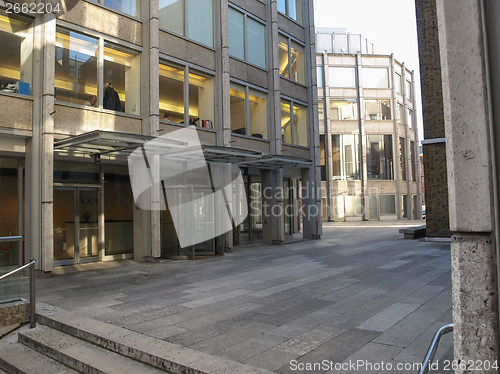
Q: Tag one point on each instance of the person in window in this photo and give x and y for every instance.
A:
(111, 99)
(92, 101)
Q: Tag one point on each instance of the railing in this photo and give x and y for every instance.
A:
(31, 266)
(10, 239)
(429, 357)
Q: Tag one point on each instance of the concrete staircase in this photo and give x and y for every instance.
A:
(65, 342)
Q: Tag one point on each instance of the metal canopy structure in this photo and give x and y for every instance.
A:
(121, 145)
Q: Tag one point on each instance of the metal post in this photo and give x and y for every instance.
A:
(32, 296)
(429, 357)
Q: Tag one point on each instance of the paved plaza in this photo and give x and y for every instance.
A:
(360, 293)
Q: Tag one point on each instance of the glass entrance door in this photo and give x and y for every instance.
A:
(76, 230)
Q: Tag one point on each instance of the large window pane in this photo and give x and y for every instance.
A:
(322, 157)
(9, 210)
(399, 83)
(343, 109)
(375, 77)
(321, 109)
(400, 113)
(282, 6)
(172, 15)
(171, 93)
(201, 100)
(351, 156)
(286, 121)
(256, 42)
(319, 76)
(16, 54)
(336, 157)
(236, 34)
(257, 104)
(353, 207)
(122, 75)
(402, 158)
(199, 21)
(378, 109)
(298, 65)
(409, 92)
(410, 118)
(300, 125)
(343, 77)
(379, 160)
(76, 67)
(413, 162)
(238, 109)
(131, 7)
(283, 56)
(295, 10)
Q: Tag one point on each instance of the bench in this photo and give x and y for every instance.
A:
(413, 232)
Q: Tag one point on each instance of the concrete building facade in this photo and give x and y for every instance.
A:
(85, 84)
(368, 135)
(465, 84)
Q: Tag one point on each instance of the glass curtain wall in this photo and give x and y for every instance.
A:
(190, 18)
(16, 53)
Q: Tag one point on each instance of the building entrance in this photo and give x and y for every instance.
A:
(76, 225)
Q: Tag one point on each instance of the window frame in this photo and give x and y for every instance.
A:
(292, 128)
(287, 11)
(351, 67)
(247, 15)
(291, 39)
(101, 3)
(100, 66)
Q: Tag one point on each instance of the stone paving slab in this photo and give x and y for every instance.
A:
(358, 289)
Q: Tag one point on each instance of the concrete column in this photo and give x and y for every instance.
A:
(311, 212)
(223, 75)
(47, 145)
(273, 222)
(274, 79)
(470, 180)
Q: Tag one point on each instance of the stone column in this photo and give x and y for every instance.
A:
(470, 180)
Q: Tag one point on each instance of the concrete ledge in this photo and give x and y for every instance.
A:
(413, 232)
(14, 313)
(152, 351)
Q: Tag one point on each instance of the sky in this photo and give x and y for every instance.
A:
(389, 24)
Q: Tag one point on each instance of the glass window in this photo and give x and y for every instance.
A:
(343, 77)
(257, 105)
(76, 67)
(387, 205)
(292, 8)
(236, 34)
(336, 157)
(379, 160)
(399, 83)
(171, 93)
(256, 42)
(247, 38)
(410, 118)
(404, 206)
(283, 56)
(292, 63)
(201, 99)
(400, 113)
(16, 54)
(190, 18)
(375, 77)
(319, 76)
(353, 206)
(300, 125)
(322, 157)
(286, 121)
(377, 109)
(413, 162)
(402, 158)
(122, 76)
(130, 7)
(343, 109)
(298, 64)
(351, 156)
(409, 92)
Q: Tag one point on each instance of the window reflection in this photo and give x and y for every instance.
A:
(130, 7)
(171, 93)
(379, 157)
(76, 67)
(16, 53)
(375, 77)
(377, 109)
(291, 60)
(342, 77)
(344, 109)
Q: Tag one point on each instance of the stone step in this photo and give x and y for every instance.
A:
(147, 349)
(79, 354)
(20, 359)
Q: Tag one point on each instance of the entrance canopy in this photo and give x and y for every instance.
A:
(121, 145)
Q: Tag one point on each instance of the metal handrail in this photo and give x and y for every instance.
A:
(31, 266)
(11, 238)
(431, 352)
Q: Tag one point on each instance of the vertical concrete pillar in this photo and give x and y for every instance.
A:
(470, 181)
(311, 212)
(273, 222)
(274, 80)
(47, 145)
